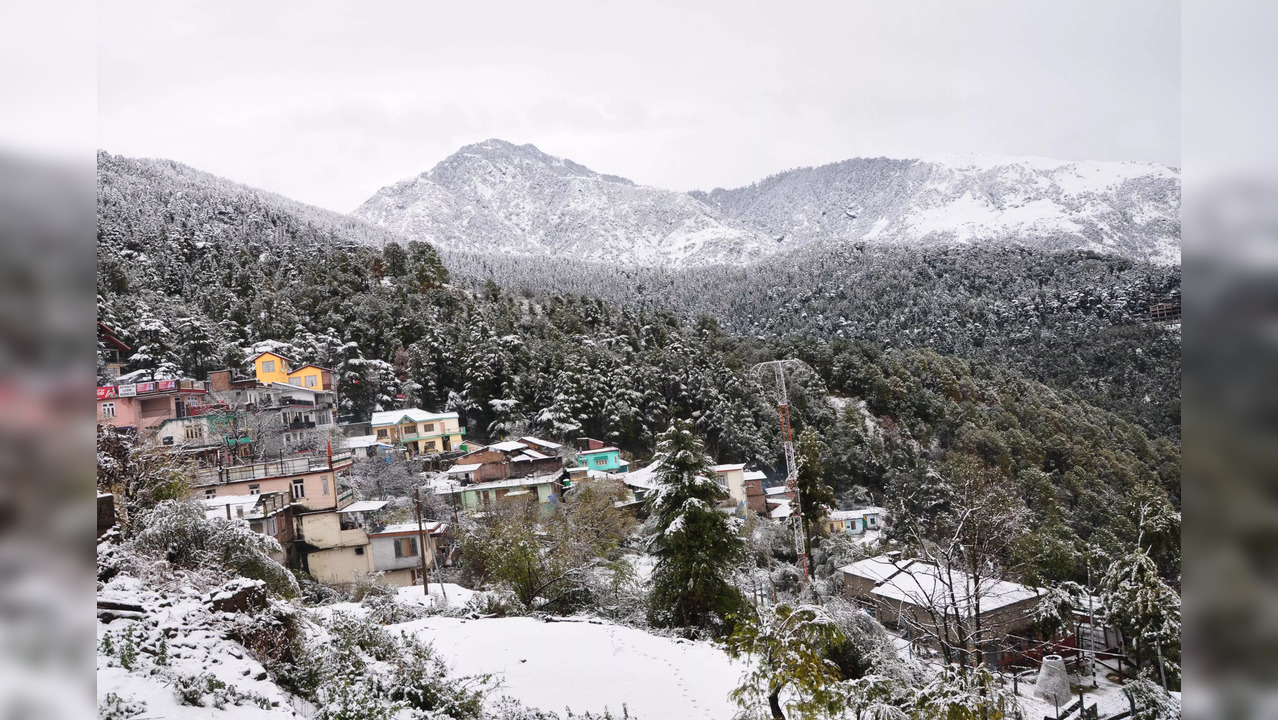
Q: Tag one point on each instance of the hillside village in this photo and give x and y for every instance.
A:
(411, 499)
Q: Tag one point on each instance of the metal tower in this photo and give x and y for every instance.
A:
(791, 470)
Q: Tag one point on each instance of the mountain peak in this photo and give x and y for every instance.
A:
(498, 197)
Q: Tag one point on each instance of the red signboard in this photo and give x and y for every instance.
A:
(166, 385)
(106, 392)
(146, 387)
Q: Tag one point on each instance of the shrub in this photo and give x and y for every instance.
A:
(180, 533)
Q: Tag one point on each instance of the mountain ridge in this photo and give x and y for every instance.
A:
(495, 196)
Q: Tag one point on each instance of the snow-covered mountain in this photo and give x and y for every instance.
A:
(495, 197)
(1124, 208)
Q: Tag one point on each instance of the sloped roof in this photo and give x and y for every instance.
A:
(755, 475)
(272, 353)
(776, 490)
(309, 365)
(539, 442)
(392, 417)
(926, 585)
(462, 469)
(508, 446)
(877, 568)
(729, 467)
(599, 450)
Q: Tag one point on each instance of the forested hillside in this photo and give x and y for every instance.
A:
(1072, 320)
(195, 270)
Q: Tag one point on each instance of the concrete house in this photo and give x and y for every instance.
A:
(418, 431)
(603, 459)
(397, 553)
(545, 490)
(854, 522)
(141, 407)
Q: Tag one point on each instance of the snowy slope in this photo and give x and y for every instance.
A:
(501, 199)
(504, 198)
(1125, 208)
(588, 666)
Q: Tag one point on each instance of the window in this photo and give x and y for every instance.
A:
(268, 366)
(383, 434)
(312, 381)
(359, 551)
(210, 492)
(299, 488)
(601, 461)
(108, 410)
(255, 489)
(428, 428)
(871, 519)
(405, 547)
(324, 484)
(409, 430)
(194, 432)
(295, 381)
(271, 527)
(431, 446)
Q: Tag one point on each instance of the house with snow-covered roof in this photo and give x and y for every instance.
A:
(543, 489)
(929, 602)
(418, 431)
(504, 460)
(855, 521)
(397, 550)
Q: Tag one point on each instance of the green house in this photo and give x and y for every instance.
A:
(604, 459)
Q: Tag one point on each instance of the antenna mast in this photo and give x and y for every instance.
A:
(791, 471)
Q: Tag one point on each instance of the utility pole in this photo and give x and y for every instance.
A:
(421, 539)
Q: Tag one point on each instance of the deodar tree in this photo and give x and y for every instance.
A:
(696, 545)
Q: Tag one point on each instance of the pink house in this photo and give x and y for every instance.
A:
(143, 406)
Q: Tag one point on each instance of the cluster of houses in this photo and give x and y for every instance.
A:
(269, 450)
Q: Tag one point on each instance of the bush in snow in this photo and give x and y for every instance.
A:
(786, 648)
(864, 648)
(205, 690)
(114, 707)
(179, 533)
(357, 669)
(959, 692)
(1151, 701)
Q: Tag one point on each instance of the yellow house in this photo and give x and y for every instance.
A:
(418, 431)
(271, 367)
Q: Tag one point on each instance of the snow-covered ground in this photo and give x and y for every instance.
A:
(589, 665)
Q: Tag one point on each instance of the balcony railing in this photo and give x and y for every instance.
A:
(270, 469)
(302, 425)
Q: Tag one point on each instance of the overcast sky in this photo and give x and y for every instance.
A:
(326, 102)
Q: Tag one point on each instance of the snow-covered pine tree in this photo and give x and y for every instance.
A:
(814, 495)
(696, 545)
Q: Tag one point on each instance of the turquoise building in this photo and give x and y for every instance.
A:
(604, 459)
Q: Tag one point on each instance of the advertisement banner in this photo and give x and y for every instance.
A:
(106, 392)
(127, 390)
(168, 385)
(146, 387)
